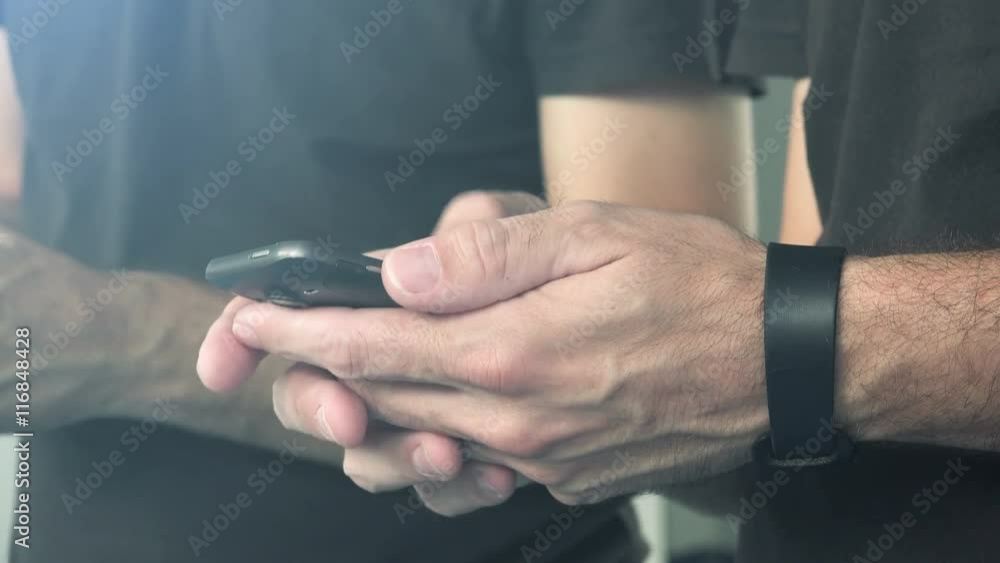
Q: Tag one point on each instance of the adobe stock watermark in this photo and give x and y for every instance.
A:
(740, 176)
(423, 492)
(584, 156)
(389, 350)
(365, 34)
(597, 490)
(767, 490)
(104, 468)
(121, 108)
(454, 117)
(248, 150)
(714, 27)
(299, 272)
(598, 316)
(87, 310)
(901, 14)
(225, 7)
(257, 484)
(913, 169)
(783, 301)
(565, 10)
(922, 502)
(22, 32)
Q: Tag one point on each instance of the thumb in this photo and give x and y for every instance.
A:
(484, 262)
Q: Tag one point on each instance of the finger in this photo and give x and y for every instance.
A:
(390, 459)
(471, 416)
(479, 206)
(308, 400)
(486, 206)
(390, 344)
(478, 486)
(224, 362)
(481, 263)
(489, 350)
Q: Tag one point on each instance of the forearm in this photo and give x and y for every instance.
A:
(919, 357)
(110, 344)
(918, 361)
(672, 150)
(800, 220)
(48, 294)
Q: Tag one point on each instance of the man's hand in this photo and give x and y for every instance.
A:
(387, 458)
(598, 350)
(391, 458)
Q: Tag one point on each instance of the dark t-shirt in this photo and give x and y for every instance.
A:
(903, 134)
(163, 133)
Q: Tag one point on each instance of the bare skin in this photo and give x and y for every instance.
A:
(141, 346)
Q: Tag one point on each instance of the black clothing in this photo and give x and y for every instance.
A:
(163, 133)
(903, 135)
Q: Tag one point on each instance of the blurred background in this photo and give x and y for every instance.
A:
(676, 534)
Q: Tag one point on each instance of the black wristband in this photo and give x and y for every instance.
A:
(801, 290)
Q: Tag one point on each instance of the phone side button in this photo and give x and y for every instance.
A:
(282, 297)
(351, 267)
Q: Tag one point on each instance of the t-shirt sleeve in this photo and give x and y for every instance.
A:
(770, 39)
(599, 46)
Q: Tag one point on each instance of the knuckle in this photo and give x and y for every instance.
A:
(495, 368)
(347, 354)
(482, 245)
(590, 220)
(586, 211)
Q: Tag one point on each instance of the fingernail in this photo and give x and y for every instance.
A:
(487, 488)
(248, 320)
(422, 463)
(415, 269)
(245, 334)
(324, 426)
(285, 417)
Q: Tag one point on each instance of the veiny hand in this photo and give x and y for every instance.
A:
(596, 349)
(389, 457)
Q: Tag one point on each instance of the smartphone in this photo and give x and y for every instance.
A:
(301, 274)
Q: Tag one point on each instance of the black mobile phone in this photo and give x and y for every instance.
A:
(302, 274)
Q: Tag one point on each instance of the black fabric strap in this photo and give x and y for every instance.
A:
(801, 289)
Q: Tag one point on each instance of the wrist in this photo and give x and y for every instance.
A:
(905, 351)
(166, 318)
(125, 323)
(858, 368)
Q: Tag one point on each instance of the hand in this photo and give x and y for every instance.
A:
(392, 458)
(388, 458)
(599, 350)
